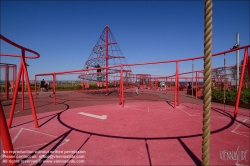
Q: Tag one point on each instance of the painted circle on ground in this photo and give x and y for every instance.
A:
(140, 120)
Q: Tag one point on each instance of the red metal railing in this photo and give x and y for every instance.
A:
(176, 90)
(22, 72)
(7, 143)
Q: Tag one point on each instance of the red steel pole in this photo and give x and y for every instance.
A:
(119, 99)
(107, 58)
(142, 84)
(178, 89)
(156, 81)
(22, 90)
(12, 82)
(248, 66)
(170, 84)
(13, 78)
(175, 89)
(166, 85)
(29, 89)
(15, 73)
(149, 82)
(196, 86)
(7, 82)
(198, 80)
(54, 87)
(82, 85)
(6, 140)
(186, 83)
(35, 87)
(120, 93)
(15, 95)
(122, 87)
(245, 60)
(126, 80)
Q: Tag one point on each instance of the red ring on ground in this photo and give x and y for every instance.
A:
(135, 121)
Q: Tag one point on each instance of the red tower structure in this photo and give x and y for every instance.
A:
(104, 54)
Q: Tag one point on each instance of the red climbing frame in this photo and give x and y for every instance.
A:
(22, 72)
(5, 136)
(104, 50)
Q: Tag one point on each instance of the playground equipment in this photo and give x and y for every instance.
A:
(24, 73)
(105, 53)
(153, 79)
(8, 147)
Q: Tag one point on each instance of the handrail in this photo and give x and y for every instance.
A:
(21, 47)
(143, 63)
(187, 59)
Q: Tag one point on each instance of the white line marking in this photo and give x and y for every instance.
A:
(40, 133)
(17, 135)
(63, 142)
(188, 113)
(14, 139)
(239, 125)
(147, 109)
(93, 115)
(9, 113)
(242, 118)
(240, 133)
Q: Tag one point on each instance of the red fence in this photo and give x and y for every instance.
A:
(176, 77)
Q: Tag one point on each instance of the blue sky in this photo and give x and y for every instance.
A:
(64, 32)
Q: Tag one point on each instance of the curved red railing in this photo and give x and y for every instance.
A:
(185, 59)
(18, 46)
(101, 45)
(103, 73)
(101, 56)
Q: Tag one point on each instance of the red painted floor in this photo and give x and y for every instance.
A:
(147, 131)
